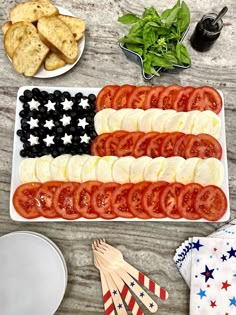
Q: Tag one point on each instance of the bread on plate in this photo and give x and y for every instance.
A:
(53, 62)
(76, 25)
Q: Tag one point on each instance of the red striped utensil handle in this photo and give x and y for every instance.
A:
(145, 281)
(107, 298)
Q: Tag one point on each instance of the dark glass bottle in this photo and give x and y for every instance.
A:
(205, 34)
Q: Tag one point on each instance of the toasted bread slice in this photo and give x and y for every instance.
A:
(53, 62)
(15, 34)
(58, 37)
(29, 55)
(77, 26)
(31, 11)
(6, 26)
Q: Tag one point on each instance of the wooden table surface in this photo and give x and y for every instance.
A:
(148, 246)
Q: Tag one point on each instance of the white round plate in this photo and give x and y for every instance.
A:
(44, 74)
(32, 273)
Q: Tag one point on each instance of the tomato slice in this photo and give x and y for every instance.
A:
(63, 201)
(112, 142)
(168, 144)
(181, 145)
(151, 199)
(212, 99)
(102, 200)
(98, 144)
(211, 203)
(135, 200)
(152, 97)
(154, 146)
(203, 146)
(127, 144)
(182, 97)
(186, 201)
(138, 96)
(82, 199)
(168, 96)
(44, 198)
(196, 100)
(121, 96)
(140, 148)
(24, 200)
(120, 201)
(105, 97)
(169, 200)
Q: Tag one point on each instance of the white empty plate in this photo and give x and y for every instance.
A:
(32, 275)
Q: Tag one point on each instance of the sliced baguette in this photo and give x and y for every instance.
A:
(29, 55)
(53, 62)
(58, 37)
(6, 26)
(77, 26)
(31, 11)
(15, 34)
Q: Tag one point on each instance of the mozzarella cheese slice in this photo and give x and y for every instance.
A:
(130, 120)
(121, 169)
(207, 122)
(137, 169)
(27, 170)
(115, 118)
(159, 120)
(104, 168)
(186, 171)
(153, 169)
(145, 121)
(209, 172)
(169, 169)
(101, 119)
(43, 168)
(74, 167)
(175, 122)
(58, 167)
(88, 171)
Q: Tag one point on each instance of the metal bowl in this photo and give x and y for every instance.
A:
(131, 55)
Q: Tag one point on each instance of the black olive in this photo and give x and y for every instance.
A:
(19, 132)
(28, 95)
(42, 109)
(72, 129)
(23, 139)
(62, 98)
(26, 145)
(55, 153)
(23, 153)
(26, 106)
(23, 113)
(92, 98)
(57, 94)
(66, 95)
(78, 95)
(51, 97)
(44, 95)
(22, 99)
(61, 149)
(25, 126)
(60, 130)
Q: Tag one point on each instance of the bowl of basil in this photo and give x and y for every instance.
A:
(155, 41)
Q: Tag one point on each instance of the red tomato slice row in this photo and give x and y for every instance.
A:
(154, 144)
(144, 200)
(175, 97)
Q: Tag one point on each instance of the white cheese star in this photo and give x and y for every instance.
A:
(33, 140)
(33, 104)
(49, 124)
(49, 140)
(67, 138)
(50, 105)
(85, 138)
(33, 122)
(65, 120)
(84, 103)
(67, 104)
(83, 123)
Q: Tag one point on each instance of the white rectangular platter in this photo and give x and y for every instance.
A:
(16, 159)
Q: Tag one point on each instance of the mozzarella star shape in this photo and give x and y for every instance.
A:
(67, 138)
(65, 120)
(33, 122)
(84, 103)
(83, 123)
(49, 140)
(33, 104)
(49, 124)
(50, 105)
(85, 138)
(67, 104)
(33, 140)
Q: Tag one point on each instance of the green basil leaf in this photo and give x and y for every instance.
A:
(173, 15)
(131, 40)
(182, 54)
(158, 61)
(149, 36)
(183, 17)
(170, 56)
(137, 49)
(128, 19)
(165, 14)
(150, 11)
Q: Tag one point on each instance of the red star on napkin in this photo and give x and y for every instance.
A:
(213, 304)
(225, 285)
(215, 249)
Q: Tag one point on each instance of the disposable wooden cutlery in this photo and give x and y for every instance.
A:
(115, 258)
